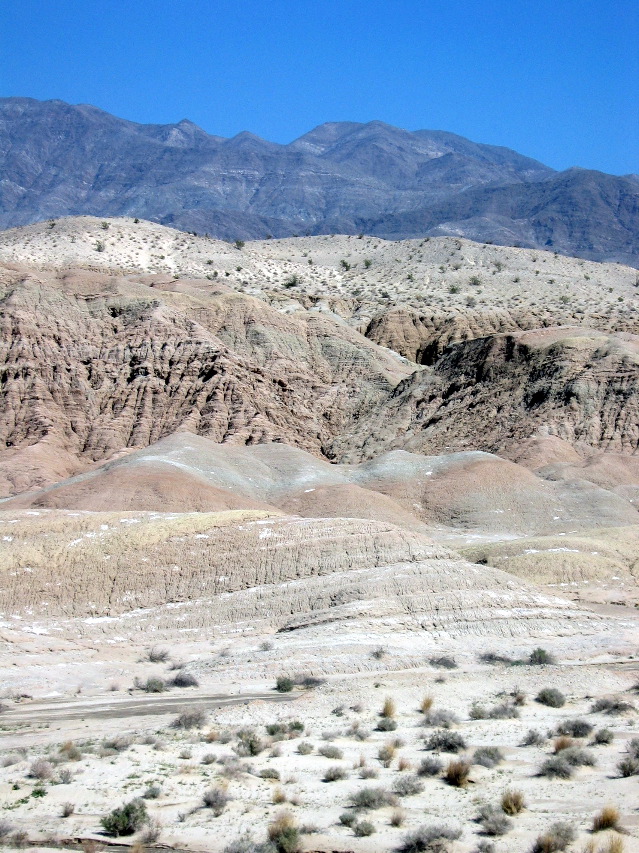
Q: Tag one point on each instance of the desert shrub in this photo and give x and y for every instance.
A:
(603, 737)
(429, 839)
(153, 684)
(363, 828)
(607, 818)
(305, 748)
(308, 681)
(355, 730)
(284, 684)
(386, 754)
(386, 724)
(488, 756)
(633, 747)
(551, 697)
(157, 655)
(185, 754)
(484, 846)
(20, 838)
(335, 774)
(266, 646)
(67, 809)
(371, 798)
(430, 766)
(151, 833)
(368, 773)
(408, 786)
(557, 838)
(493, 821)
(397, 818)
(457, 773)
(190, 718)
(6, 828)
(246, 844)
(330, 751)
(445, 741)
(348, 818)
(125, 820)
(556, 767)
(533, 738)
(184, 679)
(513, 802)
(270, 773)
(284, 833)
(70, 752)
(152, 792)
(215, 799)
(296, 727)
(275, 729)
(209, 758)
(478, 712)
(440, 718)
(65, 776)
(503, 711)
(578, 757)
(540, 657)
(628, 767)
(611, 706)
(494, 658)
(574, 728)
(276, 751)
(388, 708)
(248, 743)
(443, 662)
(40, 769)
(9, 759)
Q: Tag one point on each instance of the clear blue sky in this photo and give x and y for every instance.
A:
(558, 81)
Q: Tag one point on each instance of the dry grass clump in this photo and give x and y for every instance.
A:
(607, 818)
(67, 809)
(426, 704)
(562, 743)
(386, 754)
(457, 773)
(157, 655)
(513, 802)
(388, 708)
(397, 818)
(556, 839)
(404, 764)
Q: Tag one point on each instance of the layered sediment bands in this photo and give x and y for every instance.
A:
(423, 336)
(95, 364)
(130, 572)
(577, 384)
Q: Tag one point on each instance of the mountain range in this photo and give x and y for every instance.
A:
(58, 160)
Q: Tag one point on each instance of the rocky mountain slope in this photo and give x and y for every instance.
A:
(59, 160)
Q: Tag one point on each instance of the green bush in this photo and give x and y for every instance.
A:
(284, 684)
(125, 820)
(551, 697)
(540, 657)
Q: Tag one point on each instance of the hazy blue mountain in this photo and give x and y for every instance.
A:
(57, 160)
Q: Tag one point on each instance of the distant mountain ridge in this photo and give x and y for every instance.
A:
(342, 177)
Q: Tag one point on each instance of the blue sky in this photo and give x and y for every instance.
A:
(558, 81)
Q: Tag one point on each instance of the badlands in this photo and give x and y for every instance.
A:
(323, 543)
